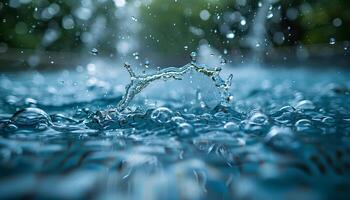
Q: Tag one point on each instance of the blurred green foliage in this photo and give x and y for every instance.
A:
(24, 24)
(169, 26)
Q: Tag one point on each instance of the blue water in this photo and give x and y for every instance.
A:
(286, 133)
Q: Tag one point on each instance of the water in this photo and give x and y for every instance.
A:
(184, 133)
(257, 33)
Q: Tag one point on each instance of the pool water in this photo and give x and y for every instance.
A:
(285, 134)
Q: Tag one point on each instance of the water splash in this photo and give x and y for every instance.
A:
(139, 82)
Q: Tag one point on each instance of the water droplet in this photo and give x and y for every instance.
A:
(30, 102)
(136, 55)
(10, 127)
(275, 131)
(147, 63)
(223, 61)
(94, 51)
(134, 19)
(281, 138)
(178, 119)
(230, 35)
(185, 129)
(243, 22)
(258, 118)
(337, 22)
(204, 15)
(193, 57)
(269, 16)
(305, 105)
(328, 121)
(41, 126)
(186, 48)
(162, 115)
(231, 127)
(332, 41)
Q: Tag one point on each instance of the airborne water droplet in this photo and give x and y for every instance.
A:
(147, 63)
(230, 35)
(94, 51)
(193, 57)
(134, 19)
(136, 55)
(223, 61)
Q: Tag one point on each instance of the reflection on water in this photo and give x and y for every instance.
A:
(285, 134)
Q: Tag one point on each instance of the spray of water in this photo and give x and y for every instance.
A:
(139, 82)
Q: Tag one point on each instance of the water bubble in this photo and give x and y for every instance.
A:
(185, 129)
(204, 15)
(178, 119)
(337, 22)
(287, 109)
(281, 138)
(162, 115)
(332, 41)
(275, 130)
(256, 122)
(94, 51)
(31, 117)
(305, 105)
(231, 127)
(30, 102)
(41, 126)
(10, 127)
(284, 115)
(328, 121)
(258, 118)
(303, 125)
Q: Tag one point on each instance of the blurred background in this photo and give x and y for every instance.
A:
(37, 34)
